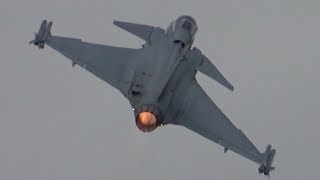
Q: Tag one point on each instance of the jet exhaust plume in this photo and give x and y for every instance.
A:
(146, 121)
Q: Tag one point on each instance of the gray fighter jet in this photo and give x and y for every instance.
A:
(159, 81)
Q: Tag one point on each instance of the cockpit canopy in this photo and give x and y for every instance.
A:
(183, 29)
(187, 23)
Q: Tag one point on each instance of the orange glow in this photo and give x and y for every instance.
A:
(146, 121)
(147, 118)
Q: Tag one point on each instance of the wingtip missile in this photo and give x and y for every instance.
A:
(42, 35)
(266, 165)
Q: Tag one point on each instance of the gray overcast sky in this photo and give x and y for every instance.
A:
(58, 122)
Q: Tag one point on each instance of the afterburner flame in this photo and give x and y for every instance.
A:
(147, 118)
(146, 121)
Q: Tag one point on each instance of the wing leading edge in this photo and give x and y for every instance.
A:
(202, 116)
(106, 62)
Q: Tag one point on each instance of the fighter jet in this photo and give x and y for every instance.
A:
(159, 81)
